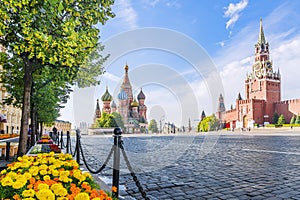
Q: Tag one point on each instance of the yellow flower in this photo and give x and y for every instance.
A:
(63, 198)
(82, 196)
(55, 172)
(97, 198)
(3, 171)
(45, 194)
(28, 193)
(7, 181)
(43, 186)
(18, 184)
(28, 198)
(43, 167)
(59, 190)
(46, 178)
(43, 172)
(27, 175)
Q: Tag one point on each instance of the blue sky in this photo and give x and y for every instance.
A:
(227, 32)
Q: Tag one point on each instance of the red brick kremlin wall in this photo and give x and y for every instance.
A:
(288, 108)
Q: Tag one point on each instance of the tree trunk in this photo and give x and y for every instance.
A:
(25, 109)
(33, 124)
(41, 129)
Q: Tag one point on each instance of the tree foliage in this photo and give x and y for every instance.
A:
(110, 120)
(208, 123)
(293, 120)
(54, 35)
(281, 120)
(153, 126)
(297, 120)
(275, 118)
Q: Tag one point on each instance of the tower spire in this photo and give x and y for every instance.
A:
(261, 36)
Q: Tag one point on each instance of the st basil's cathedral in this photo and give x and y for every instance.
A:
(132, 110)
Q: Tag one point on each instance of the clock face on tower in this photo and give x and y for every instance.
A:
(269, 66)
(257, 67)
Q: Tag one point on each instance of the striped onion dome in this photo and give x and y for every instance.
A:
(106, 96)
(122, 95)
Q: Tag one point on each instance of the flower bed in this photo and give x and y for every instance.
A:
(45, 139)
(48, 176)
(44, 148)
(6, 136)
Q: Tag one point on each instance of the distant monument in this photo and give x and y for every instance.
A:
(132, 111)
(263, 94)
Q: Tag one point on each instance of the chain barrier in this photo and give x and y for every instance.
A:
(104, 164)
(134, 177)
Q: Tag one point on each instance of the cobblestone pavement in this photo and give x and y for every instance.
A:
(237, 167)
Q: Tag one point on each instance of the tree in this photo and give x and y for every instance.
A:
(297, 120)
(209, 123)
(275, 118)
(54, 34)
(281, 120)
(293, 120)
(110, 120)
(153, 126)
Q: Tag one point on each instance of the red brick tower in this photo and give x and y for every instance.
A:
(263, 83)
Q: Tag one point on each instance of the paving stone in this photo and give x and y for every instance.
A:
(226, 172)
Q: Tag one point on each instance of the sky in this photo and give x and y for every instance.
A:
(183, 54)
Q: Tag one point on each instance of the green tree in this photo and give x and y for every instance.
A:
(110, 120)
(153, 126)
(293, 120)
(281, 120)
(209, 123)
(55, 34)
(297, 120)
(275, 118)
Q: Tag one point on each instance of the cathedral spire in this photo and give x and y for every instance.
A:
(261, 36)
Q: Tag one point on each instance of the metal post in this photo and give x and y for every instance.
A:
(7, 151)
(68, 141)
(77, 146)
(116, 163)
(61, 140)
(57, 138)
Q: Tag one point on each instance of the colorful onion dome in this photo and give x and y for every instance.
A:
(141, 95)
(113, 104)
(134, 103)
(106, 96)
(122, 95)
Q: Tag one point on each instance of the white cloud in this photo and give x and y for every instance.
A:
(125, 14)
(152, 2)
(235, 61)
(174, 4)
(111, 77)
(233, 12)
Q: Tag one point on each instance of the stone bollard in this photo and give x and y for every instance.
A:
(116, 163)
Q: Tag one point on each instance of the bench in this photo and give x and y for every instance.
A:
(13, 149)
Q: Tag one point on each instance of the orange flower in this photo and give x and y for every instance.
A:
(114, 189)
(94, 194)
(30, 186)
(16, 197)
(32, 181)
